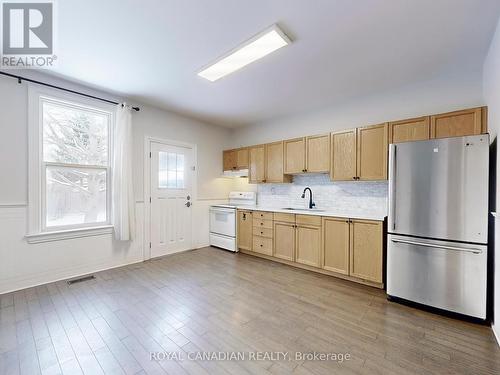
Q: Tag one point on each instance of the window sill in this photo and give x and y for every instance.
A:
(69, 234)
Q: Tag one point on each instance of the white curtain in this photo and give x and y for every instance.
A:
(123, 185)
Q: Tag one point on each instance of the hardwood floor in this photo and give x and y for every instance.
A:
(215, 301)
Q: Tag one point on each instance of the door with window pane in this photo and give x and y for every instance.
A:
(171, 198)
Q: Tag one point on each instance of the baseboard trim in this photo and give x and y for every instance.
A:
(98, 268)
(495, 334)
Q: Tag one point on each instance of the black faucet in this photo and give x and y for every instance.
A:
(311, 203)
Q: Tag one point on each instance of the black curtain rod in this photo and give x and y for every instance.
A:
(20, 79)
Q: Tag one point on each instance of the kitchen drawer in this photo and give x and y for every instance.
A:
(263, 215)
(263, 245)
(263, 232)
(308, 220)
(284, 218)
(260, 223)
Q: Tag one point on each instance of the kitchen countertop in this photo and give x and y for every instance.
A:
(352, 214)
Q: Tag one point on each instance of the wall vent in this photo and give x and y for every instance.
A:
(81, 279)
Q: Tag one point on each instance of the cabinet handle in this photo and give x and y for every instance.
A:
(261, 232)
(354, 178)
(347, 221)
(261, 223)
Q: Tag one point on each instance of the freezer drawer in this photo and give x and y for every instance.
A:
(439, 188)
(441, 274)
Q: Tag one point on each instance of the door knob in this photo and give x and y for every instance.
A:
(188, 197)
(188, 204)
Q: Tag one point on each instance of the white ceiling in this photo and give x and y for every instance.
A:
(151, 50)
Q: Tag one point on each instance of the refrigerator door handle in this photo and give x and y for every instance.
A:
(454, 248)
(392, 186)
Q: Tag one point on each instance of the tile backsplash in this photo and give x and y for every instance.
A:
(370, 196)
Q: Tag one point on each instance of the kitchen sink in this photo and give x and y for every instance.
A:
(302, 209)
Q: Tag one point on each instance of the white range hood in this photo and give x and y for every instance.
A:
(235, 173)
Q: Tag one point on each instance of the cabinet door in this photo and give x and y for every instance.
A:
(366, 250)
(256, 165)
(284, 240)
(308, 245)
(415, 129)
(343, 165)
(245, 230)
(295, 156)
(458, 123)
(274, 163)
(242, 158)
(318, 154)
(372, 144)
(336, 245)
(229, 160)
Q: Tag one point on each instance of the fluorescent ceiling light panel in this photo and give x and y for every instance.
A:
(256, 48)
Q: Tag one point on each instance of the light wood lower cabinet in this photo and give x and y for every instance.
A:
(336, 245)
(366, 251)
(342, 247)
(308, 244)
(284, 240)
(245, 230)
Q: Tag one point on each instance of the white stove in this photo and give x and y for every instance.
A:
(223, 219)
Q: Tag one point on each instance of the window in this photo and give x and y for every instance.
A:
(170, 170)
(70, 183)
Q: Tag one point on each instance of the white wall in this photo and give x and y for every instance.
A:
(434, 96)
(491, 85)
(23, 264)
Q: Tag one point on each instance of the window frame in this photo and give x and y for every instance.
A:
(37, 225)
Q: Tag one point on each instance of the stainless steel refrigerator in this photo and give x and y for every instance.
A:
(438, 223)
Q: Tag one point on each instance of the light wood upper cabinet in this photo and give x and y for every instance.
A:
(229, 160)
(371, 158)
(343, 150)
(295, 155)
(318, 154)
(459, 123)
(284, 240)
(245, 230)
(274, 163)
(235, 159)
(242, 158)
(256, 164)
(336, 245)
(308, 244)
(366, 254)
(415, 129)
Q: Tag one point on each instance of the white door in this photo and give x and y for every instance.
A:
(172, 177)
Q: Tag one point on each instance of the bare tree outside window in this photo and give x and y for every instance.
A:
(76, 162)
